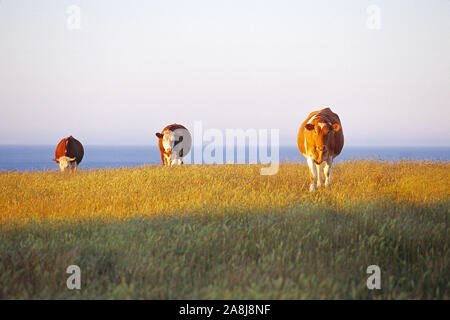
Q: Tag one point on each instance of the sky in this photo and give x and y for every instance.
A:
(133, 67)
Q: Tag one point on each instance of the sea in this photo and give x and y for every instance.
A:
(39, 158)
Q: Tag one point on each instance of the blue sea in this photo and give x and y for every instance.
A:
(39, 158)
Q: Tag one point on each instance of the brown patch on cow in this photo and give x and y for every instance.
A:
(61, 150)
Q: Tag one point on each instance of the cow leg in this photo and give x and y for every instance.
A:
(167, 160)
(312, 174)
(327, 171)
(319, 175)
(179, 161)
(174, 160)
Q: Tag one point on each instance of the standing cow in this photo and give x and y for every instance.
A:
(69, 153)
(174, 143)
(320, 139)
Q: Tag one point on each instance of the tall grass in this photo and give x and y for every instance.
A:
(227, 232)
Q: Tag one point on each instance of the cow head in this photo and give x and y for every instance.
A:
(317, 133)
(65, 162)
(169, 139)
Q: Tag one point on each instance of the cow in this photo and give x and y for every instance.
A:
(69, 153)
(320, 139)
(174, 143)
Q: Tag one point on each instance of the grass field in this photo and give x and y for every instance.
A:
(226, 232)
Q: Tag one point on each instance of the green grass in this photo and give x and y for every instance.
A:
(315, 247)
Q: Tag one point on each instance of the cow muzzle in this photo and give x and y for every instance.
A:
(320, 157)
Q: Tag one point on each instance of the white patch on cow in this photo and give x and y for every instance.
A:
(319, 175)
(66, 162)
(312, 118)
(313, 172)
(168, 140)
(320, 124)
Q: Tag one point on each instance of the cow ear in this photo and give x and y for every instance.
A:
(159, 135)
(309, 126)
(336, 127)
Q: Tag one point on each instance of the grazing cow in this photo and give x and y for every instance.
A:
(69, 153)
(174, 143)
(320, 139)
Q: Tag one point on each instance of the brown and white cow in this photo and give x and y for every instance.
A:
(174, 143)
(69, 153)
(320, 139)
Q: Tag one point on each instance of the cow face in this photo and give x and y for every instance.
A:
(317, 134)
(65, 162)
(168, 140)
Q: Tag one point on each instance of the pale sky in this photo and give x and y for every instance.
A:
(135, 66)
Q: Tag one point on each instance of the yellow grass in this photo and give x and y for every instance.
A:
(226, 232)
(120, 194)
